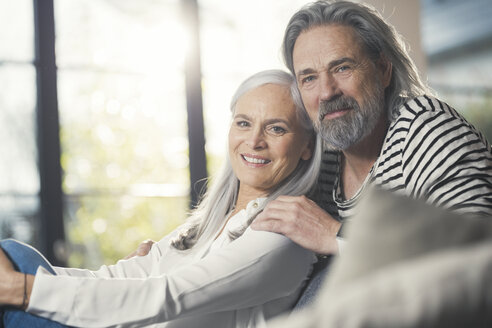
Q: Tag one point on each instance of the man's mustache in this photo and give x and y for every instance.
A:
(335, 105)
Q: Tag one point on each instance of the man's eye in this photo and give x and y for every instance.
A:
(308, 79)
(342, 69)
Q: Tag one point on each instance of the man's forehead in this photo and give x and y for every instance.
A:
(324, 43)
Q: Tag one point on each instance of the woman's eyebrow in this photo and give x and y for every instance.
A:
(274, 120)
(277, 120)
(244, 116)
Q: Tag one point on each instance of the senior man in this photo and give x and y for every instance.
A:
(380, 123)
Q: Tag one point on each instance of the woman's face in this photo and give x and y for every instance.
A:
(266, 140)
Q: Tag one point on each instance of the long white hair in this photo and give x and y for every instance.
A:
(218, 202)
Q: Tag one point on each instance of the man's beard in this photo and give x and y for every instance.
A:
(345, 131)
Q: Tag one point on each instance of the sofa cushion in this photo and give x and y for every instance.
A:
(389, 229)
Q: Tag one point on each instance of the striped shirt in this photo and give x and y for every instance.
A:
(430, 152)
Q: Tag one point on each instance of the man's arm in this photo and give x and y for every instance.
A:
(445, 161)
(301, 220)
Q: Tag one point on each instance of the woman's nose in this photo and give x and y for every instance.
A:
(256, 139)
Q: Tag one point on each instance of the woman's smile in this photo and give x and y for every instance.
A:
(255, 160)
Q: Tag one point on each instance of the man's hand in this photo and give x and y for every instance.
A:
(142, 249)
(301, 220)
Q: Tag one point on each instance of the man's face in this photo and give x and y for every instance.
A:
(342, 89)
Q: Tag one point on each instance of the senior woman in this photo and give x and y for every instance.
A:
(214, 271)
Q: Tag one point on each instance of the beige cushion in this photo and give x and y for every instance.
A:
(390, 229)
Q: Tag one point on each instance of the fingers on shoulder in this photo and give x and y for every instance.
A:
(292, 199)
(279, 212)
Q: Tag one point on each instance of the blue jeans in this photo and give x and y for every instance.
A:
(26, 259)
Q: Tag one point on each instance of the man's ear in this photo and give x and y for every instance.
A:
(386, 69)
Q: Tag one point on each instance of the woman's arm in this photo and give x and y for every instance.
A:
(129, 267)
(254, 269)
(15, 287)
(135, 267)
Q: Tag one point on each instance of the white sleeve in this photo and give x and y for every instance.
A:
(255, 268)
(135, 267)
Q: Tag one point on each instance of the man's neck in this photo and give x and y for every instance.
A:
(359, 158)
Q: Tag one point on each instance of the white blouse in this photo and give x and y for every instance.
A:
(241, 283)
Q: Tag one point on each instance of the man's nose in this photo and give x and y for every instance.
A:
(328, 87)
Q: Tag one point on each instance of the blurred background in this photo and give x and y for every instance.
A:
(113, 111)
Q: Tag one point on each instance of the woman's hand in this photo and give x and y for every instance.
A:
(142, 249)
(11, 283)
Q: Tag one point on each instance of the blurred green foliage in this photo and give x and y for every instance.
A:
(125, 166)
(106, 228)
(479, 113)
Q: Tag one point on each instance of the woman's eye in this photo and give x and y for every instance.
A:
(242, 124)
(278, 130)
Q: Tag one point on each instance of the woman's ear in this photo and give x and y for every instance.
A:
(307, 152)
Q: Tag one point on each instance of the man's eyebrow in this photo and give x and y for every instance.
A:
(332, 64)
(305, 72)
(337, 62)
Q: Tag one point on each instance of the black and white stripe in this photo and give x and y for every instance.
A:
(430, 152)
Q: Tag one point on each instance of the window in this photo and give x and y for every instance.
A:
(19, 181)
(456, 37)
(122, 124)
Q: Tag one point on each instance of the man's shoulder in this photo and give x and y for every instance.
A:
(426, 120)
(425, 106)
(426, 113)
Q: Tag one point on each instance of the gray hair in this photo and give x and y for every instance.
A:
(219, 201)
(378, 39)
